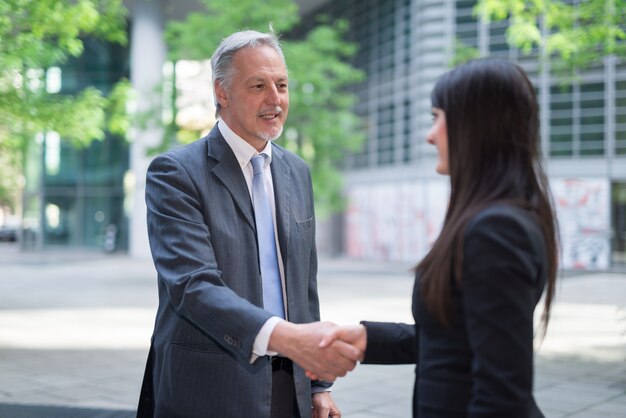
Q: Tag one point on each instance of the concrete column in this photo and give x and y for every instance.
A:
(147, 56)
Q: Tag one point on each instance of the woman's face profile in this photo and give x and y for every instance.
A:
(438, 136)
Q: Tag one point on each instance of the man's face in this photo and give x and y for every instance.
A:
(256, 103)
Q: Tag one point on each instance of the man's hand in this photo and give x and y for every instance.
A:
(355, 335)
(301, 343)
(324, 406)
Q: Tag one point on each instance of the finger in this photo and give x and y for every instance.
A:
(342, 366)
(321, 411)
(333, 362)
(311, 375)
(329, 337)
(348, 351)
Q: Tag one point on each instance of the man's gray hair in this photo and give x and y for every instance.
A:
(222, 59)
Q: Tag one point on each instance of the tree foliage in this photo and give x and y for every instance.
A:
(321, 126)
(37, 35)
(574, 35)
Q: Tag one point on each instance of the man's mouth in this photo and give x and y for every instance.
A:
(270, 114)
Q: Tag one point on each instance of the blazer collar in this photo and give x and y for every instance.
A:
(228, 171)
(281, 177)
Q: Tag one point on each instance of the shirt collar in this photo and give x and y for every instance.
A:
(243, 151)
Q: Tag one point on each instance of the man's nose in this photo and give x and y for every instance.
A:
(273, 96)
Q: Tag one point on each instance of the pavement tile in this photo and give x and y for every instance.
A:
(13, 383)
(612, 406)
(590, 413)
(580, 368)
(558, 404)
(554, 413)
(51, 411)
(38, 397)
(372, 414)
(395, 410)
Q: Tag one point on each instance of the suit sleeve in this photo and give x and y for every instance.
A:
(313, 302)
(390, 343)
(181, 247)
(500, 288)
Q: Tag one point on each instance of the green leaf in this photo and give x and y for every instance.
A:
(38, 34)
(321, 126)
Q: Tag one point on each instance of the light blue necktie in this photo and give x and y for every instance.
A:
(270, 275)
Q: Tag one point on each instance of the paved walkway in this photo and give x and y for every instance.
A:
(74, 333)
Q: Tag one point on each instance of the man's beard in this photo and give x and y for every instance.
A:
(266, 136)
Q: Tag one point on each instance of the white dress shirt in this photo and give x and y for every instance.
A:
(244, 152)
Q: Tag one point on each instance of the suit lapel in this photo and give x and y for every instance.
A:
(281, 177)
(228, 171)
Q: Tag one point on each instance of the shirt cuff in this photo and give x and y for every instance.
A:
(319, 389)
(262, 340)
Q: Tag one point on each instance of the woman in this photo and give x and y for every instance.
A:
(476, 291)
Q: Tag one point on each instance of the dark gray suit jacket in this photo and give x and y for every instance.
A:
(481, 366)
(203, 242)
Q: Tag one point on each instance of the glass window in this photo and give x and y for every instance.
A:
(620, 117)
(497, 39)
(385, 135)
(406, 130)
(66, 185)
(466, 24)
(561, 121)
(592, 119)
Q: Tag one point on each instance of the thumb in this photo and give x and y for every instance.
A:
(328, 338)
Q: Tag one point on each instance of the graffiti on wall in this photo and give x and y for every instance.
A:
(395, 222)
(582, 206)
(399, 222)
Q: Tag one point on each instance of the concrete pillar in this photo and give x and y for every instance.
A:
(147, 56)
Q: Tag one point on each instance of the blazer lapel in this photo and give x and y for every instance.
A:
(281, 177)
(228, 171)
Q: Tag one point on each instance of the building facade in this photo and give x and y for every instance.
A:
(76, 197)
(396, 202)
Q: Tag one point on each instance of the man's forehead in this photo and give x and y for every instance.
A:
(265, 75)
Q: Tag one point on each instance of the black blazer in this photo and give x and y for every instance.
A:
(482, 365)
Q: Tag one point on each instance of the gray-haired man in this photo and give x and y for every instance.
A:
(237, 289)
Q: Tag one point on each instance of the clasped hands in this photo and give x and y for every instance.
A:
(325, 350)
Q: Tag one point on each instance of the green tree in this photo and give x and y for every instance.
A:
(572, 35)
(321, 126)
(37, 35)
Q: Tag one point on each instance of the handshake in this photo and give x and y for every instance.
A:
(325, 350)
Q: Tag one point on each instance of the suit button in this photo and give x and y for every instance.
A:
(232, 341)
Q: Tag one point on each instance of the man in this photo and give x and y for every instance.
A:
(232, 235)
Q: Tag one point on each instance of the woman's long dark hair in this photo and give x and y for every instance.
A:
(494, 155)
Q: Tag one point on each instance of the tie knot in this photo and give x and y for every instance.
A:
(258, 161)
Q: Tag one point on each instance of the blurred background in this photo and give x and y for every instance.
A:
(91, 91)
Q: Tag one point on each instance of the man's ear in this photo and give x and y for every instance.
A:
(220, 94)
